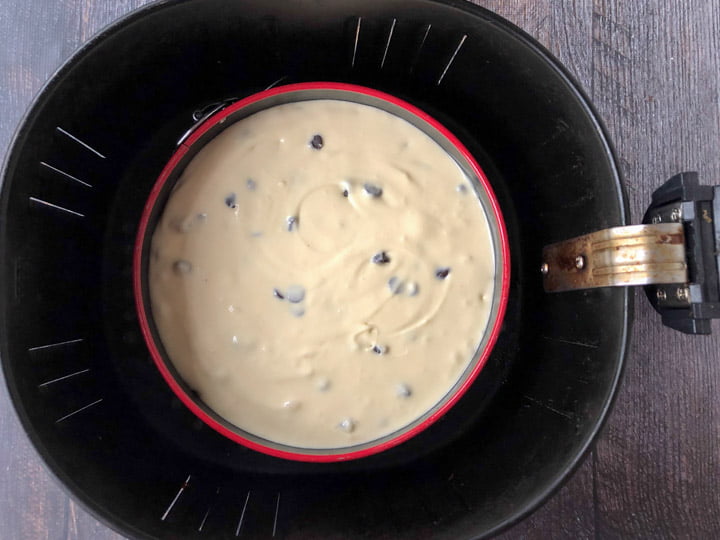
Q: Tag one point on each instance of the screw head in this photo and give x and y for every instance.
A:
(656, 219)
(675, 214)
(580, 262)
(682, 293)
(661, 294)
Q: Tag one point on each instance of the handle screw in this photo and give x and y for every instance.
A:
(682, 294)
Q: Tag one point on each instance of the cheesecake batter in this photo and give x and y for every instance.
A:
(322, 274)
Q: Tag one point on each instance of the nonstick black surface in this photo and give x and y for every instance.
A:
(117, 437)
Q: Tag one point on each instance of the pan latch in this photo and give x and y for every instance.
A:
(674, 254)
(202, 114)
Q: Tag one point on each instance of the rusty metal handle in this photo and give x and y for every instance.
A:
(675, 255)
(621, 256)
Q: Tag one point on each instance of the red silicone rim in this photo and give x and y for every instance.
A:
(177, 388)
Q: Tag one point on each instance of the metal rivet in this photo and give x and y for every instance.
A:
(661, 294)
(682, 293)
(544, 269)
(580, 262)
(675, 214)
(657, 219)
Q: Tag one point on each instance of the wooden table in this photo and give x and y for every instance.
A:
(652, 68)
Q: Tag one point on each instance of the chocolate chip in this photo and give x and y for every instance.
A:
(317, 142)
(181, 225)
(291, 404)
(345, 186)
(381, 258)
(442, 273)
(185, 225)
(251, 184)
(295, 294)
(379, 349)
(347, 425)
(403, 390)
(277, 294)
(395, 285)
(230, 200)
(182, 267)
(373, 190)
(292, 223)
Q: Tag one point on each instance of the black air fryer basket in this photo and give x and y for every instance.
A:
(75, 182)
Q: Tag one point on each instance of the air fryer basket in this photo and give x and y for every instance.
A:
(81, 168)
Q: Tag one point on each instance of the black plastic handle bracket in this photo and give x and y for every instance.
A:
(690, 307)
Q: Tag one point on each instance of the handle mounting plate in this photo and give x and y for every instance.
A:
(621, 256)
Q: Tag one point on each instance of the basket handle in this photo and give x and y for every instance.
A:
(675, 254)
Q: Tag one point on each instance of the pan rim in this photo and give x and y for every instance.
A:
(500, 294)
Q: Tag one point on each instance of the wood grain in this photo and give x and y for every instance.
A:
(656, 83)
(653, 72)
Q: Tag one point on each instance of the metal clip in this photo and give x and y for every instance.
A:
(200, 115)
(617, 257)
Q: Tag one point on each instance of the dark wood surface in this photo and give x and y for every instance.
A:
(652, 68)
